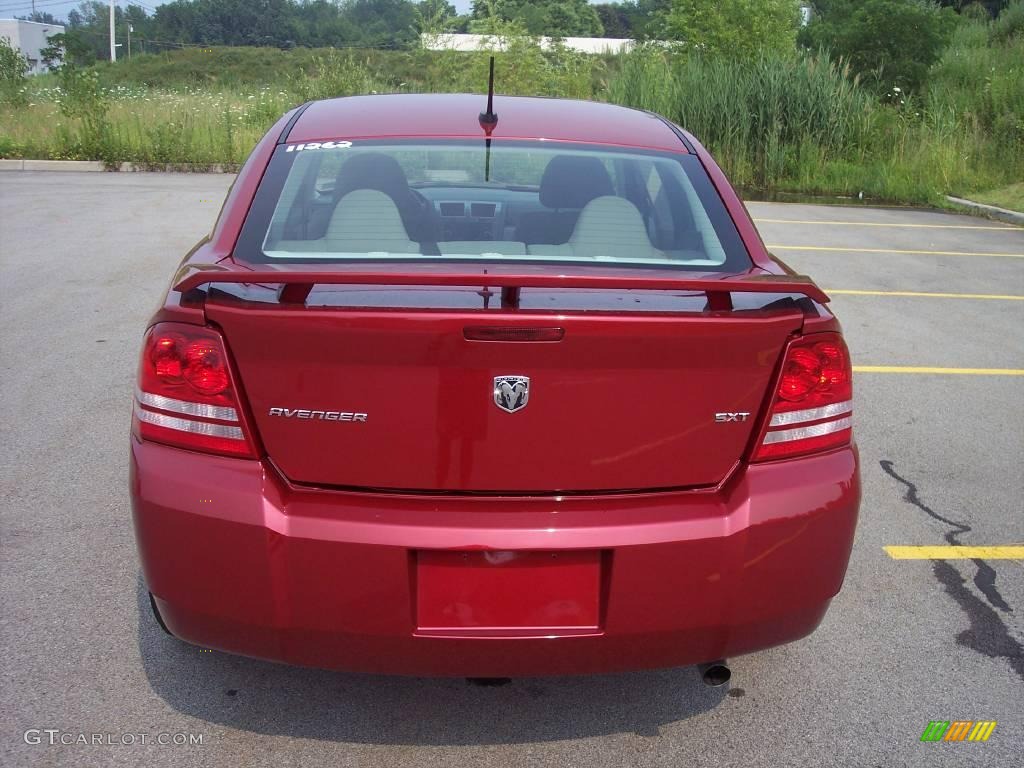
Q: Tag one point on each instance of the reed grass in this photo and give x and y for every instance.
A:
(799, 124)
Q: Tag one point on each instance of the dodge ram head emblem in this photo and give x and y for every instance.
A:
(511, 393)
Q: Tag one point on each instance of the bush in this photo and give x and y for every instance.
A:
(334, 74)
(740, 28)
(13, 68)
(82, 96)
(522, 66)
(83, 100)
(975, 12)
(887, 42)
(982, 85)
(1010, 23)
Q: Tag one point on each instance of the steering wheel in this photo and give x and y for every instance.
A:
(421, 200)
(426, 215)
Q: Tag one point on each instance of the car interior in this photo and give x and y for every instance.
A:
(576, 206)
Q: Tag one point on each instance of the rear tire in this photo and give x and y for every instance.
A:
(157, 616)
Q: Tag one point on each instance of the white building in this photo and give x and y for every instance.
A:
(459, 42)
(30, 38)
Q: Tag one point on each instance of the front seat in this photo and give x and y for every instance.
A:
(382, 173)
(568, 184)
(367, 221)
(612, 228)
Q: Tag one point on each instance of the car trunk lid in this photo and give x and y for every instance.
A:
(438, 400)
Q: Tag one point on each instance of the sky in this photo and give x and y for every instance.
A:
(60, 8)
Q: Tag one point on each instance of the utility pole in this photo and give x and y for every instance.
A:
(113, 47)
(130, 42)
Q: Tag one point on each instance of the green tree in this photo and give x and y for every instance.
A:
(13, 68)
(383, 23)
(738, 28)
(991, 7)
(890, 43)
(646, 17)
(553, 18)
(55, 52)
(615, 18)
(41, 17)
(436, 15)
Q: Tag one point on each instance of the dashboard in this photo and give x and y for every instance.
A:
(479, 213)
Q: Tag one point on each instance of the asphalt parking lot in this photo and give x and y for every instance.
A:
(83, 259)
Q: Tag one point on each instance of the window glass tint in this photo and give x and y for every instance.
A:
(522, 201)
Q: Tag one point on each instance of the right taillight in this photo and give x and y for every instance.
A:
(186, 395)
(813, 402)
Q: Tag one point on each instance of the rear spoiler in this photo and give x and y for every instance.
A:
(296, 286)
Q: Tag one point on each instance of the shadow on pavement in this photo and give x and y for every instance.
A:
(276, 699)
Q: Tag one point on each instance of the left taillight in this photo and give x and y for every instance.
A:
(186, 395)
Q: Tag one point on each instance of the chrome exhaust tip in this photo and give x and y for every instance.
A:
(488, 682)
(714, 674)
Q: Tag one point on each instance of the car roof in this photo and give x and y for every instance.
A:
(458, 116)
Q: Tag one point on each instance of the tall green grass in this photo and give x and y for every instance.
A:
(778, 123)
(981, 85)
(805, 124)
(769, 119)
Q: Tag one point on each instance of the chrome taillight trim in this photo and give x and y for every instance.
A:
(202, 410)
(811, 414)
(187, 425)
(802, 433)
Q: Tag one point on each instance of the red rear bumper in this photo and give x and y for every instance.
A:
(242, 561)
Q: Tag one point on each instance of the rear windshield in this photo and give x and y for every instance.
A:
(511, 202)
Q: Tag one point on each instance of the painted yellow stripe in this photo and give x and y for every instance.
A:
(982, 731)
(941, 371)
(890, 224)
(890, 250)
(922, 294)
(956, 553)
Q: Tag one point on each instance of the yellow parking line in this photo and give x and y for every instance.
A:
(890, 224)
(1014, 552)
(889, 250)
(994, 296)
(931, 369)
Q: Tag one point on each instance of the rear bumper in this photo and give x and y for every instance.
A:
(242, 561)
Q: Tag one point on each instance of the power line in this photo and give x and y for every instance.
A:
(21, 5)
(145, 40)
(28, 4)
(17, 6)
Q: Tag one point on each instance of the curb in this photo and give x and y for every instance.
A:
(97, 166)
(990, 211)
(51, 165)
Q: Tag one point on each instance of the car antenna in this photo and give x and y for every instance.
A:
(488, 120)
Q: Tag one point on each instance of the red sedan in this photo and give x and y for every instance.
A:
(452, 393)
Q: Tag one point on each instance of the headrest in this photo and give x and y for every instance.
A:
(612, 226)
(572, 181)
(372, 170)
(364, 215)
